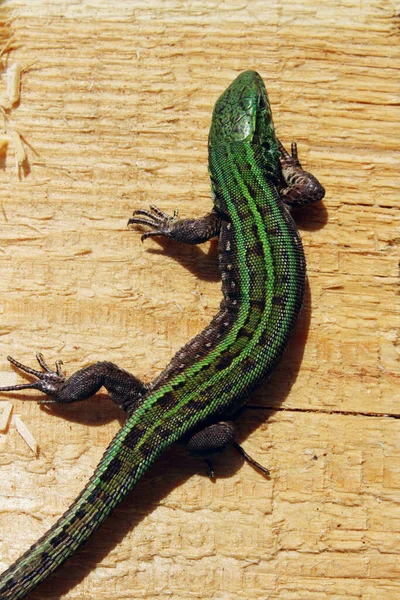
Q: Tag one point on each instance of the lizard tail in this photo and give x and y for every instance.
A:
(121, 467)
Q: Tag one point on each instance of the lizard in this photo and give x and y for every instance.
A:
(254, 182)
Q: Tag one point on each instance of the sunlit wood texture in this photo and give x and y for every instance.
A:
(115, 106)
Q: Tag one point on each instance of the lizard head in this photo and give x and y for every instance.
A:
(242, 114)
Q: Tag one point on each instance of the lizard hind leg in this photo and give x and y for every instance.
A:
(213, 440)
(125, 389)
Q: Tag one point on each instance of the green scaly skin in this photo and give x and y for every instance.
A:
(263, 279)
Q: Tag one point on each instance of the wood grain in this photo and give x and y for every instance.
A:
(114, 114)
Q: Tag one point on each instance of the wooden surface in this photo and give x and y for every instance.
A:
(114, 114)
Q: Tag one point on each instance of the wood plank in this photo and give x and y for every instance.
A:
(114, 114)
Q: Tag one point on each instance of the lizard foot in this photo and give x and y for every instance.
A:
(301, 187)
(48, 381)
(162, 224)
(213, 440)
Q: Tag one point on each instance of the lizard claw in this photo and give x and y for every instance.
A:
(287, 159)
(162, 224)
(48, 381)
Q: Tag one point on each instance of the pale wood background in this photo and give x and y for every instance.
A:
(115, 113)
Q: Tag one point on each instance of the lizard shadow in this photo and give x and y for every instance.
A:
(203, 263)
(98, 410)
(175, 466)
(313, 218)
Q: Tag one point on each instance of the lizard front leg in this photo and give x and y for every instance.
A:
(125, 389)
(188, 231)
(301, 187)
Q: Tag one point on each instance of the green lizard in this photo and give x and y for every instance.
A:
(254, 183)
